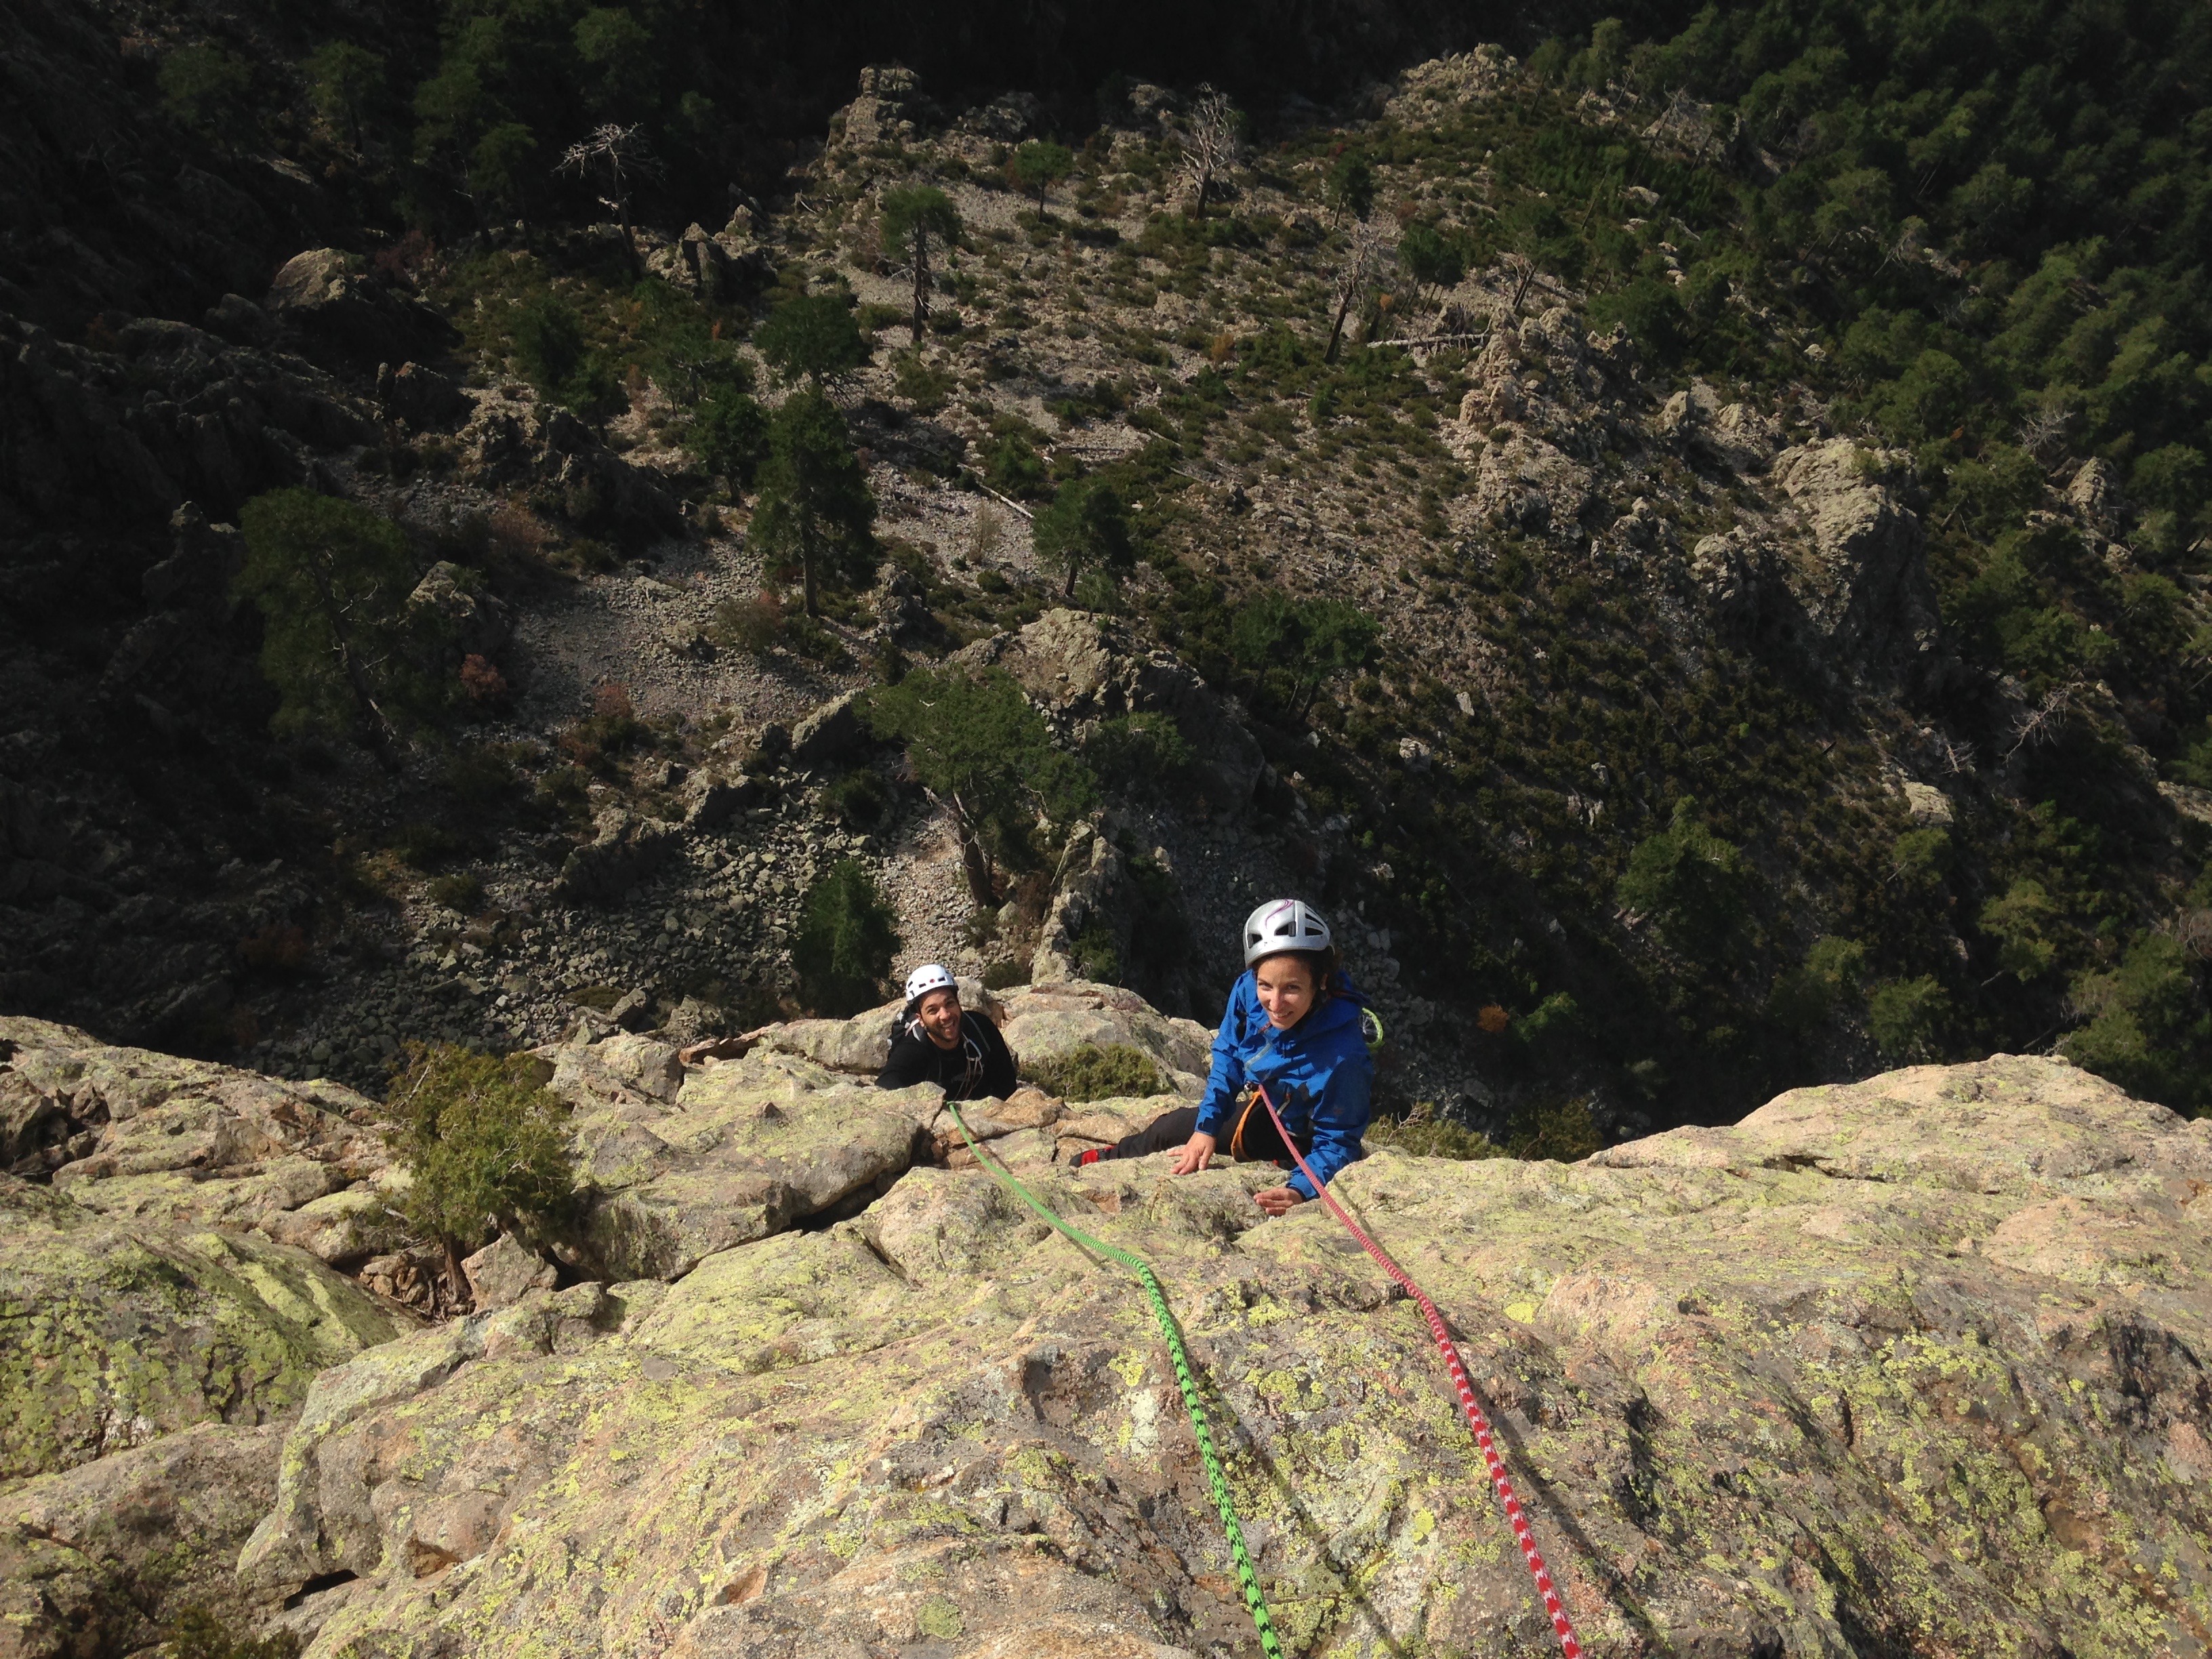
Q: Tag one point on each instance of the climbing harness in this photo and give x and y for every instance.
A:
(1216, 1477)
(1476, 1420)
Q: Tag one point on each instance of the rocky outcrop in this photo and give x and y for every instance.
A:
(1083, 669)
(519, 443)
(102, 1558)
(163, 413)
(624, 849)
(1909, 1366)
(1863, 584)
(326, 302)
(120, 1331)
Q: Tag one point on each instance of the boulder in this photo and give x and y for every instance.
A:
(450, 604)
(625, 850)
(514, 442)
(141, 1330)
(136, 1135)
(505, 1271)
(419, 397)
(830, 733)
(323, 300)
(101, 1557)
(747, 1148)
(1913, 1363)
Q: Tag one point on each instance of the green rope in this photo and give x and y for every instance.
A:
(1216, 1477)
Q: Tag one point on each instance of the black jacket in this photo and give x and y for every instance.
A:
(982, 1065)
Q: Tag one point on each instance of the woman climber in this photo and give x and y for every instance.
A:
(939, 1042)
(1295, 1026)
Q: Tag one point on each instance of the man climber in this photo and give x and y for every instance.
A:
(939, 1043)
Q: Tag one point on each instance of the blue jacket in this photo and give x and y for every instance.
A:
(1318, 1073)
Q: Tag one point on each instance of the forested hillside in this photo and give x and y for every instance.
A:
(1703, 520)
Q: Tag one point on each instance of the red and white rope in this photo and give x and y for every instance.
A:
(1476, 1420)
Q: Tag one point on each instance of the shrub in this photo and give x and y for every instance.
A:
(2016, 922)
(486, 1144)
(1807, 998)
(2150, 1028)
(330, 580)
(847, 937)
(1092, 1073)
(1097, 956)
(612, 729)
(1000, 975)
(814, 337)
(1085, 532)
(1561, 1129)
(462, 892)
(728, 432)
(753, 625)
(978, 746)
(859, 800)
(196, 1634)
(816, 516)
(1422, 1134)
(1290, 648)
(205, 87)
(1907, 1018)
(1690, 882)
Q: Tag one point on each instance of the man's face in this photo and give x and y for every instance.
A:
(940, 1017)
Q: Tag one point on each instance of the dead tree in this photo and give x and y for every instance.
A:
(617, 157)
(1363, 261)
(1210, 148)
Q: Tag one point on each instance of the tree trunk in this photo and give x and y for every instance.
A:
(806, 562)
(1068, 591)
(1336, 330)
(921, 285)
(1205, 185)
(974, 863)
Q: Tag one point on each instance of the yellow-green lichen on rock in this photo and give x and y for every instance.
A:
(112, 1334)
(1850, 1378)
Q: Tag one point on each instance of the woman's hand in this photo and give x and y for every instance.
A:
(1276, 1199)
(1196, 1154)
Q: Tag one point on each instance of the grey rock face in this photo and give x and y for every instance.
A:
(626, 849)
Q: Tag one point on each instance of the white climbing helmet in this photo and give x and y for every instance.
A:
(1284, 925)
(929, 976)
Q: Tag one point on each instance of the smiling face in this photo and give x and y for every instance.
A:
(1286, 989)
(939, 1013)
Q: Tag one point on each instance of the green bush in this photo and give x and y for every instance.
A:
(2018, 921)
(1092, 1073)
(1422, 1134)
(486, 1144)
(2149, 1026)
(846, 938)
(1908, 1018)
(1289, 648)
(978, 746)
(1086, 532)
(728, 432)
(1807, 997)
(1691, 884)
(816, 516)
(1097, 956)
(462, 892)
(549, 342)
(814, 337)
(859, 800)
(1142, 755)
(330, 580)
(196, 1634)
(206, 88)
